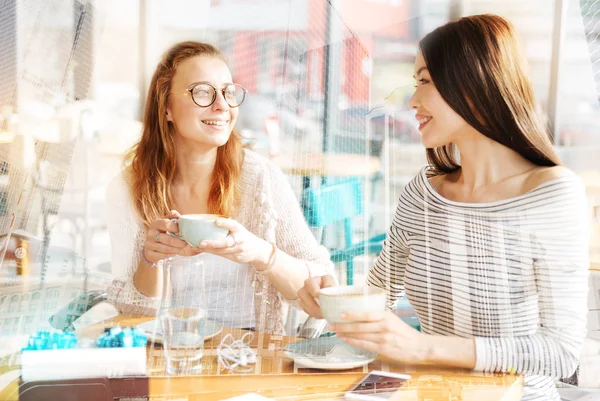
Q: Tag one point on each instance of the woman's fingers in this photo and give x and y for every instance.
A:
(156, 236)
(162, 248)
(309, 303)
(172, 241)
(359, 328)
(327, 281)
(313, 285)
(159, 243)
(232, 240)
(309, 294)
(227, 242)
(230, 224)
(311, 308)
(365, 316)
(235, 250)
(363, 343)
(173, 214)
(164, 225)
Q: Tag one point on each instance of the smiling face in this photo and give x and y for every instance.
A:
(438, 123)
(209, 126)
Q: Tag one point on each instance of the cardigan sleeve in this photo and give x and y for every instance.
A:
(126, 237)
(293, 236)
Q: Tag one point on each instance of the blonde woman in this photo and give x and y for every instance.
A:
(189, 160)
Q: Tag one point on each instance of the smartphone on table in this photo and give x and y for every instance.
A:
(377, 386)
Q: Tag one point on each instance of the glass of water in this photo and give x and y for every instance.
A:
(183, 313)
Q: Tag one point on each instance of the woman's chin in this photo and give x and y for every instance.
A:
(430, 143)
(427, 142)
(213, 140)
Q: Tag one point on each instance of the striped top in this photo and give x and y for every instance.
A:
(511, 273)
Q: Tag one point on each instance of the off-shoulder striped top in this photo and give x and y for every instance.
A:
(512, 274)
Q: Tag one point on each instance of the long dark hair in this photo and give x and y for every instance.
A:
(478, 68)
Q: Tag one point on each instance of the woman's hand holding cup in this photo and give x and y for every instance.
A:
(309, 294)
(159, 244)
(189, 235)
(240, 245)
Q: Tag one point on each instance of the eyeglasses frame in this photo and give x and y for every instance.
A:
(222, 90)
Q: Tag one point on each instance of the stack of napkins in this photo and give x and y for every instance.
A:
(79, 363)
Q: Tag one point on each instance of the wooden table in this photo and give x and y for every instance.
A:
(276, 376)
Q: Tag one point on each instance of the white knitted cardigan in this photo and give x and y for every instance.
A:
(266, 206)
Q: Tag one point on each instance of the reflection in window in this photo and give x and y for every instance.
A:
(579, 110)
(14, 304)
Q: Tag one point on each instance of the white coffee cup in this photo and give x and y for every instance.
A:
(353, 298)
(195, 228)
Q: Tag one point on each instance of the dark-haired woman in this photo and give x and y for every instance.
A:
(489, 242)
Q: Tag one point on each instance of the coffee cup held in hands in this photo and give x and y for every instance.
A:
(195, 228)
(354, 298)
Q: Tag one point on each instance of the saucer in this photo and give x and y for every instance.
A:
(328, 353)
(153, 329)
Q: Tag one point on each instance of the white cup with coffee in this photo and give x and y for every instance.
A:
(352, 298)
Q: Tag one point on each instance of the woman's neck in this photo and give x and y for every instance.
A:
(191, 185)
(485, 162)
(195, 165)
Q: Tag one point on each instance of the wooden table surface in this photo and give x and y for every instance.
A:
(276, 376)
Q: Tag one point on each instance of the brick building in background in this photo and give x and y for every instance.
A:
(290, 41)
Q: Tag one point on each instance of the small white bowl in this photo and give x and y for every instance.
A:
(353, 298)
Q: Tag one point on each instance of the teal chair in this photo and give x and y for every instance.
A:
(406, 312)
(340, 202)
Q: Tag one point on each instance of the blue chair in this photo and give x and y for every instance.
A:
(340, 202)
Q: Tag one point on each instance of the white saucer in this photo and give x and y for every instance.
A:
(153, 330)
(328, 353)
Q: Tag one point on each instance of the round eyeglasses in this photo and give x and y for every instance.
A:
(204, 94)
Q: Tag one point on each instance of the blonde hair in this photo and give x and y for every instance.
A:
(152, 160)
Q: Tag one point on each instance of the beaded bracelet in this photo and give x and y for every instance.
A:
(271, 262)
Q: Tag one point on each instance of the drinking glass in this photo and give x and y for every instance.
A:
(183, 314)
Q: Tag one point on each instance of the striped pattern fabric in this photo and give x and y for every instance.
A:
(512, 274)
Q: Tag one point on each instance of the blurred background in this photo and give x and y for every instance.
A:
(328, 84)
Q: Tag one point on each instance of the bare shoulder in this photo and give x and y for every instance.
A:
(543, 174)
